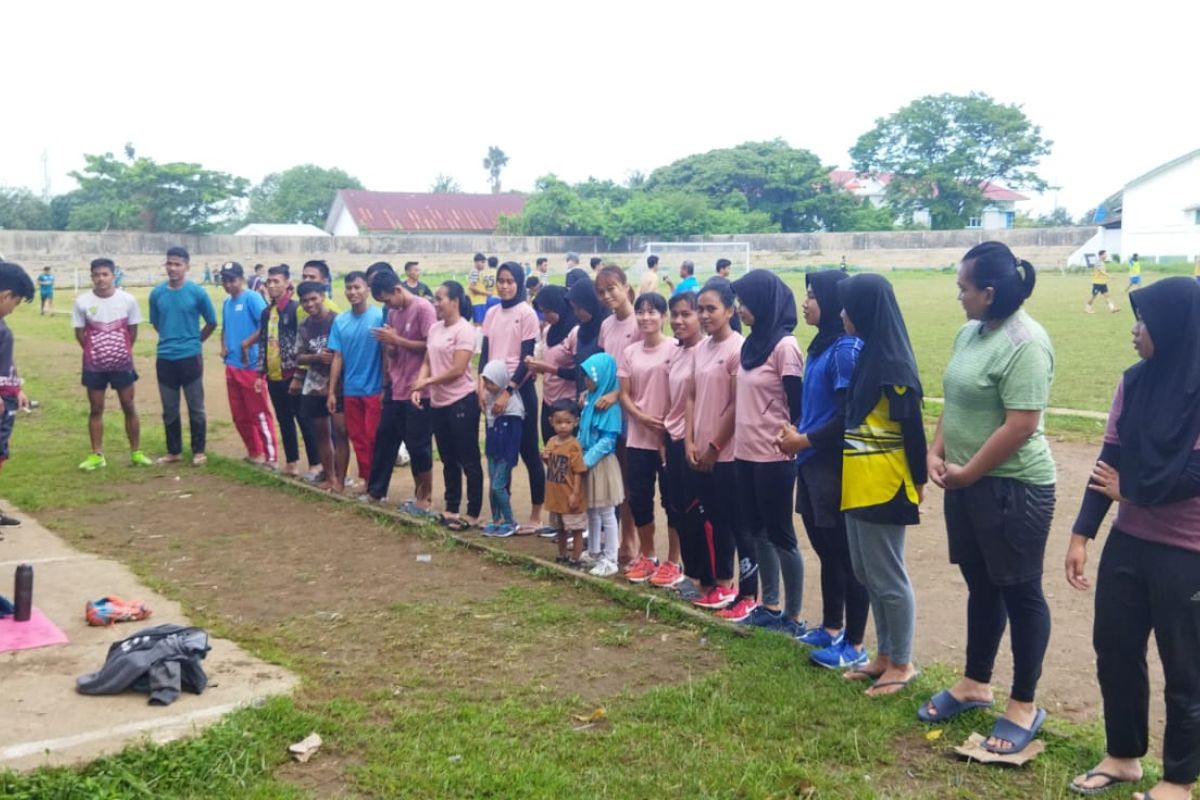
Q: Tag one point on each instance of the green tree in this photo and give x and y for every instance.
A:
(1058, 218)
(138, 193)
(554, 209)
(493, 162)
(791, 186)
(944, 150)
(22, 210)
(301, 194)
(444, 184)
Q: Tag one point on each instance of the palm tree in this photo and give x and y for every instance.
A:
(493, 163)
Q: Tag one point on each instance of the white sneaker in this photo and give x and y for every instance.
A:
(402, 456)
(604, 569)
(588, 560)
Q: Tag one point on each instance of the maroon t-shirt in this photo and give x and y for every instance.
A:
(412, 322)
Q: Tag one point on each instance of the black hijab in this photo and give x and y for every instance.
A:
(1160, 418)
(518, 274)
(887, 356)
(575, 275)
(554, 298)
(774, 308)
(824, 286)
(583, 294)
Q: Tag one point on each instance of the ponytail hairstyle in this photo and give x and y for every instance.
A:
(455, 291)
(613, 272)
(652, 299)
(991, 265)
(724, 290)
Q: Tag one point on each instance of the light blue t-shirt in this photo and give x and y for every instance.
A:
(176, 314)
(362, 374)
(240, 317)
(46, 283)
(688, 284)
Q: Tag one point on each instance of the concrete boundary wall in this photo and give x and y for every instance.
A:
(141, 254)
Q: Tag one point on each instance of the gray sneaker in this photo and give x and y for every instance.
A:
(686, 590)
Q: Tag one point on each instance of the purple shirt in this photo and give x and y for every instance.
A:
(1173, 524)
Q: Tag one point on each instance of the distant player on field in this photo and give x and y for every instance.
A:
(1100, 278)
(45, 283)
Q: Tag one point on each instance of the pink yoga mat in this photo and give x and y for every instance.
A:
(37, 631)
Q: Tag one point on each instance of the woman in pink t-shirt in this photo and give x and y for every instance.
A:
(510, 331)
(643, 370)
(688, 553)
(711, 409)
(557, 363)
(618, 331)
(446, 373)
(769, 385)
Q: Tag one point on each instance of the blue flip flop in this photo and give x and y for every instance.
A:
(948, 707)
(1012, 732)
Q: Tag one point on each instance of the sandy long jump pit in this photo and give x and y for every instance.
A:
(45, 721)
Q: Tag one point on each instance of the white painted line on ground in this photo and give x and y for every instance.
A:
(49, 560)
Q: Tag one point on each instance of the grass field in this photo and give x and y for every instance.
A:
(445, 698)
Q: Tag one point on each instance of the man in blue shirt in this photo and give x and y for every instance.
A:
(358, 365)
(246, 388)
(176, 308)
(687, 271)
(45, 283)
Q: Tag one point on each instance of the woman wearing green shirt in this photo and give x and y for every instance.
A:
(990, 455)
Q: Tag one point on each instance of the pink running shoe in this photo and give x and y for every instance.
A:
(667, 574)
(641, 570)
(717, 597)
(739, 610)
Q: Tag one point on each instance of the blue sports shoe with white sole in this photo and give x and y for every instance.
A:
(820, 638)
(842, 655)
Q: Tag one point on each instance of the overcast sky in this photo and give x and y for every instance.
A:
(395, 93)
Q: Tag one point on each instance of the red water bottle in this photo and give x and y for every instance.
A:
(23, 593)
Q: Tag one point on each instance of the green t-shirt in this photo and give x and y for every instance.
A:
(989, 372)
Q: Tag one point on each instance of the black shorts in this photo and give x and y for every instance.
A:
(644, 467)
(819, 489)
(1099, 288)
(117, 379)
(1002, 522)
(315, 406)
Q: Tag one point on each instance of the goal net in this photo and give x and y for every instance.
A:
(703, 254)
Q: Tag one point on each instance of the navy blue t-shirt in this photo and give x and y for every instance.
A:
(824, 376)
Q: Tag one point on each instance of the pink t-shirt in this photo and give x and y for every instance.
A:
(762, 407)
(562, 354)
(441, 345)
(506, 328)
(647, 369)
(412, 322)
(715, 363)
(617, 334)
(1173, 524)
(679, 376)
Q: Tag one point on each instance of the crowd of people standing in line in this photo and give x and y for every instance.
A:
(733, 434)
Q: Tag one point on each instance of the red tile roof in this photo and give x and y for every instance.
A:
(423, 212)
(849, 180)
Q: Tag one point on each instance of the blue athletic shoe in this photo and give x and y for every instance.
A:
(840, 656)
(820, 638)
(763, 617)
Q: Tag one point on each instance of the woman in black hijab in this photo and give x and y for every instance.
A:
(883, 472)
(590, 312)
(1149, 576)
(557, 363)
(832, 355)
(768, 398)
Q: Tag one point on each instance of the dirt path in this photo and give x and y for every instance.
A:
(1068, 684)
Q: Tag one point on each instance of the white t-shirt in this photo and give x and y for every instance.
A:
(106, 323)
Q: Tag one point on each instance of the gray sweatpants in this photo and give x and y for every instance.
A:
(877, 555)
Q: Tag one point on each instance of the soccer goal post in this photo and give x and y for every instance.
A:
(703, 254)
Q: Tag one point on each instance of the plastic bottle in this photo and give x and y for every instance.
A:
(23, 593)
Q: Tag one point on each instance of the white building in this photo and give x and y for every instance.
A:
(1156, 215)
(280, 229)
(1000, 211)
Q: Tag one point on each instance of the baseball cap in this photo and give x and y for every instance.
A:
(232, 269)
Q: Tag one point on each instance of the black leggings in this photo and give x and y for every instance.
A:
(1143, 586)
(684, 517)
(1021, 606)
(766, 491)
(456, 429)
(719, 505)
(287, 414)
(531, 453)
(547, 427)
